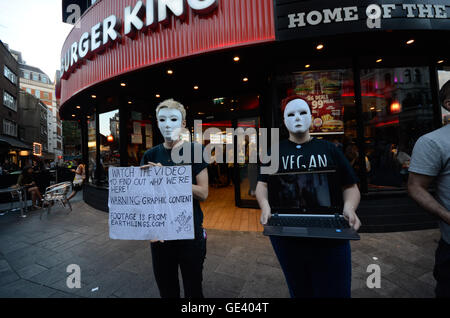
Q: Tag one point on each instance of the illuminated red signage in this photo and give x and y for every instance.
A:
(137, 18)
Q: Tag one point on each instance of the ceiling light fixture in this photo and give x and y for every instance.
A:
(379, 60)
(237, 59)
(410, 41)
(320, 47)
(170, 72)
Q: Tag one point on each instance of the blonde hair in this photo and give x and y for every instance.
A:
(172, 104)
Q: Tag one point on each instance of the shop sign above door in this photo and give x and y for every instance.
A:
(137, 18)
(311, 18)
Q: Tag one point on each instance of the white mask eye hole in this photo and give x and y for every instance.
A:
(174, 119)
(291, 115)
(161, 120)
(304, 113)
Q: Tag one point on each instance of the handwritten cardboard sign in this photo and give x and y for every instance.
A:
(151, 204)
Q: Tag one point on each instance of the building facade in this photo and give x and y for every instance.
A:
(12, 147)
(35, 82)
(371, 73)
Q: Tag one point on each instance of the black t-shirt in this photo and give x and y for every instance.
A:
(315, 154)
(159, 154)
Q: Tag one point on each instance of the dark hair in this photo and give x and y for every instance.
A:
(289, 99)
(80, 161)
(444, 93)
(25, 170)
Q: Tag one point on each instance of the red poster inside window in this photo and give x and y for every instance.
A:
(323, 92)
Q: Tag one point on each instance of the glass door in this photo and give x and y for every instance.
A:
(246, 174)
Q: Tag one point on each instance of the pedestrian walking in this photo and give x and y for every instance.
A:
(430, 163)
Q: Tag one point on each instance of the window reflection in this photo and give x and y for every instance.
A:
(109, 144)
(331, 96)
(92, 148)
(396, 113)
(140, 132)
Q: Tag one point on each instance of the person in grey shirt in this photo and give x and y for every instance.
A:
(430, 162)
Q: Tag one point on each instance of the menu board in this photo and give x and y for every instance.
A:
(322, 91)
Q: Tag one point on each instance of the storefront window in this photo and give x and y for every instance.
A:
(248, 171)
(330, 94)
(109, 143)
(92, 148)
(396, 113)
(444, 77)
(140, 132)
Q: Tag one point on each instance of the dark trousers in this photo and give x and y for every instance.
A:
(189, 255)
(442, 270)
(315, 268)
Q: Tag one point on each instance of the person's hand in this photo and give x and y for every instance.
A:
(352, 219)
(151, 164)
(265, 215)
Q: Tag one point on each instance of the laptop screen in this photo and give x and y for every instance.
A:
(312, 192)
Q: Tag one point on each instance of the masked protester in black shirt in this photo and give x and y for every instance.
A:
(312, 267)
(188, 255)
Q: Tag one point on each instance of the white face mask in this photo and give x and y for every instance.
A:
(297, 117)
(169, 123)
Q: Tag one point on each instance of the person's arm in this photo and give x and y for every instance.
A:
(418, 190)
(262, 197)
(351, 198)
(201, 189)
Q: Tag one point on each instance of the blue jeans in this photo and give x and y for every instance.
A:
(315, 268)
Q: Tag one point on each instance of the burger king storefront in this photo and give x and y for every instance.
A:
(370, 70)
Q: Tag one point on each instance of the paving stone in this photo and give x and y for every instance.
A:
(140, 288)
(59, 240)
(225, 282)
(265, 282)
(108, 284)
(236, 268)
(25, 289)
(412, 285)
(31, 271)
(238, 264)
(7, 277)
(365, 293)
(60, 294)
(11, 247)
(140, 263)
(48, 277)
(270, 260)
(428, 278)
(4, 266)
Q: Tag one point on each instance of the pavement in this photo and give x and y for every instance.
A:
(35, 254)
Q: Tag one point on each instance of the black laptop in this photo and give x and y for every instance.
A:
(307, 204)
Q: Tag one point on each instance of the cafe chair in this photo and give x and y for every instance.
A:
(18, 195)
(57, 193)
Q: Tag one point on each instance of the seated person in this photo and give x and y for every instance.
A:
(26, 180)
